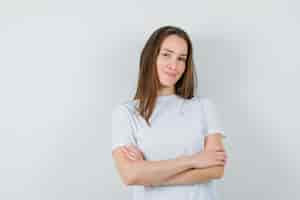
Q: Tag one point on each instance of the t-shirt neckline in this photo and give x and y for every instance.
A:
(166, 97)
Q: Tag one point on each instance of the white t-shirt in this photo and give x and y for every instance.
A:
(178, 126)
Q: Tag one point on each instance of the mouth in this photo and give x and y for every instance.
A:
(170, 74)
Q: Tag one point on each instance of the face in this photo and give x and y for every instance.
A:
(171, 60)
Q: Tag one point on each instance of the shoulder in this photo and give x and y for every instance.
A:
(128, 107)
(206, 104)
(202, 100)
(196, 104)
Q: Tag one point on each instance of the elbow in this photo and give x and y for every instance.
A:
(219, 176)
(133, 175)
(219, 173)
(135, 179)
(130, 179)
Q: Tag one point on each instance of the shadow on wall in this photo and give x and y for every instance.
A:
(257, 158)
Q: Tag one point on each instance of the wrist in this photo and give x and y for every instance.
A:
(186, 160)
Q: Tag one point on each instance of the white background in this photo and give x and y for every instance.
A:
(65, 64)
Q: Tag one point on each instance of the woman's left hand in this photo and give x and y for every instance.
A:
(133, 152)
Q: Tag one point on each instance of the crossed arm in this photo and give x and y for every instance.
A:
(179, 171)
(192, 176)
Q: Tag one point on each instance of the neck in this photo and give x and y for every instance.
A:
(165, 91)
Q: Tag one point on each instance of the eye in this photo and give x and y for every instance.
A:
(182, 59)
(165, 54)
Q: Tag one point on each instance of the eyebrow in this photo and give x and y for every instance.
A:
(171, 51)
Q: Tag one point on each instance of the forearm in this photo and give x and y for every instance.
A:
(156, 172)
(193, 176)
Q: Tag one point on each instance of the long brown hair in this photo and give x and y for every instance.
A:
(148, 81)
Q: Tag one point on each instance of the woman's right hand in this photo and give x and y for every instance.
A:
(208, 158)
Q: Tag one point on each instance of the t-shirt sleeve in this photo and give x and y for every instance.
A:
(212, 118)
(121, 126)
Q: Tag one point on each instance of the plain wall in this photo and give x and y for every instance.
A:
(65, 64)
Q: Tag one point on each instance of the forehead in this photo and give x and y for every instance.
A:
(175, 43)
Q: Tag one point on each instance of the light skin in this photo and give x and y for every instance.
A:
(186, 169)
(170, 63)
(204, 166)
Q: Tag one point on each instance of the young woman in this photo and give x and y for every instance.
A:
(166, 141)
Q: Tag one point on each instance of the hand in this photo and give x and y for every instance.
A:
(208, 158)
(133, 152)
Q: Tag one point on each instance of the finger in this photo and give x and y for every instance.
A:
(220, 163)
(221, 154)
(221, 159)
(131, 153)
(128, 152)
(218, 149)
(134, 149)
(137, 152)
(125, 151)
(131, 158)
(131, 146)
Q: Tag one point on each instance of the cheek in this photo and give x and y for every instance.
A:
(160, 72)
(160, 63)
(159, 68)
(182, 69)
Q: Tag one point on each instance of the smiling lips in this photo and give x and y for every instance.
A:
(170, 74)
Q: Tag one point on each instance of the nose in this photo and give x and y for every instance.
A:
(173, 64)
